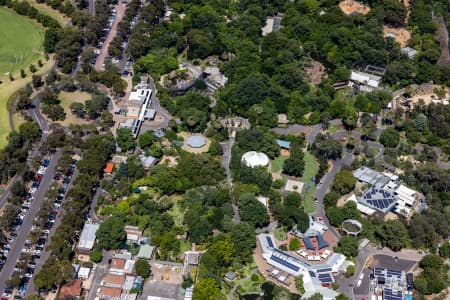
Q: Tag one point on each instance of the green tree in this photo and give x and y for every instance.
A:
(295, 165)
(299, 284)
(111, 234)
(351, 269)
(206, 289)
(37, 81)
(33, 69)
(96, 255)
(125, 139)
(294, 244)
(444, 250)
(344, 182)
(390, 137)
(253, 211)
(146, 139)
(421, 122)
(77, 109)
(393, 234)
(348, 246)
(142, 268)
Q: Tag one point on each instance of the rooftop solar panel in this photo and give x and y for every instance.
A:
(269, 242)
(323, 270)
(285, 263)
(324, 275)
(326, 280)
(312, 274)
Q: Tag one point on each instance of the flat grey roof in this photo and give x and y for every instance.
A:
(371, 176)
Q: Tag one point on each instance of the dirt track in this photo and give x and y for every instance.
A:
(442, 37)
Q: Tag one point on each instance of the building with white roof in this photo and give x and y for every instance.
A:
(362, 208)
(83, 273)
(387, 194)
(408, 200)
(87, 238)
(410, 52)
(254, 159)
(364, 82)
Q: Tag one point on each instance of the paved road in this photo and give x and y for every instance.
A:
(46, 253)
(120, 9)
(92, 214)
(226, 159)
(28, 221)
(323, 186)
(36, 114)
(100, 271)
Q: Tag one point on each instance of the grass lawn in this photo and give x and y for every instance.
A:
(21, 45)
(68, 98)
(177, 214)
(22, 40)
(311, 169)
(280, 233)
(277, 163)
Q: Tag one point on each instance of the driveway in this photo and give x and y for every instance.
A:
(28, 221)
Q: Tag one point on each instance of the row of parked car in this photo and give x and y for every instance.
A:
(18, 221)
(31, 252)
(105, 33)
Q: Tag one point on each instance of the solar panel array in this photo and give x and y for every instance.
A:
(387, 273)
(285, 263)
(312, 274)
(379, 198)
(325, 277)
(323, 270)
(269, 242)
(389, 294)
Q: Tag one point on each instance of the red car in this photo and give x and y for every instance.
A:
(39, 177)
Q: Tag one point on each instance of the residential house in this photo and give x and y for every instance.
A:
(134, 234)
(87, 238)
(146, 252)
(71, 290)
(364, 82)
(113, 280)
(110, 293)
(83, 273)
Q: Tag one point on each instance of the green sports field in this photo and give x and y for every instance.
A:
(21, 41)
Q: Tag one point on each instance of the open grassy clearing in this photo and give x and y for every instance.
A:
(277, 163)
(21, 45)
(67, 98)
(22, 40)
(7, 89)
(311, 169)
